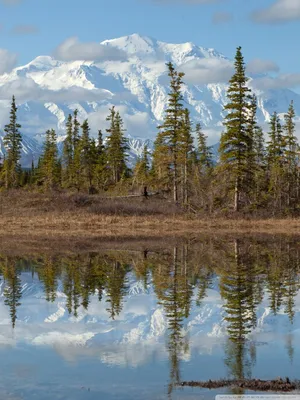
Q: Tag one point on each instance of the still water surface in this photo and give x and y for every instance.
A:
(124, 324)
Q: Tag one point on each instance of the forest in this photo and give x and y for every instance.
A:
(257, 172)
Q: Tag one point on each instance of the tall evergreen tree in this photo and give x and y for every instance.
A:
(141, 170)
(76, 129)
(87, 151)
(236, 142)
(204, 154)
(275, 157)
(185, 154)
(116, 146)
(68, 154)
(255, 176)
(50, 168)
(100, 166)
(161, 162)
(76, 152)
(171, 128)
(13, 144)
(291, 155)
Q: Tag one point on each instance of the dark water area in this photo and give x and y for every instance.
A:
(134, 324)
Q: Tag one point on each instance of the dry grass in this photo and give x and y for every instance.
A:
(34, 217)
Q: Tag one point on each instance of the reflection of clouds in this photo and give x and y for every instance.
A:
(137, 336)
(65, 339)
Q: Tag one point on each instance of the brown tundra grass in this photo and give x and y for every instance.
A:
(29, 216)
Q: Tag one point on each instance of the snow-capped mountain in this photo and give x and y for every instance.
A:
(138, 333)
(30, 151)
(47, 90)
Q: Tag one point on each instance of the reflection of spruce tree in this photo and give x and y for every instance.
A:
(235, 290)
(275, 287)
(283, 280)
(291, 282)
(174, 293)
(93, 279)
(99, 276)
(204, 282)
(238, 288)
(116, 288)
(48, 274)
(71, 285)
(290, 347)
(86, 283)
(13, 289)
(240, 357)
(186, 282)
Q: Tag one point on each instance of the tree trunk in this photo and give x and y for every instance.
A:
(186, 195)
(237, 195)
(175, 185)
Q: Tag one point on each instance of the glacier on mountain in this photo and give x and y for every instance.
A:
(47, 90)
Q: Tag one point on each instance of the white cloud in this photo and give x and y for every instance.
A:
(278, 12)
(258, 66)
(281, 81)
(222, 17)
(25, 30)
(7, 61)
(26, 89)
(71, 50)
(207, 71)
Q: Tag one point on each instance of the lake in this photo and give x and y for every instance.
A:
(135, 323)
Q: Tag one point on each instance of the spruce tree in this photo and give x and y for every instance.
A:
(87, 156)
(275, 157)
(235, 140)
(100, 166)
(171, 128)
(255, 175)
(116, 146)
(276, 144)
(50, 172)
(13, 145)
(76, 152)
(202, 164)
(142, 168)
(291, 157)
(68, 154)
(204, 153)
(32, 173)
(161, 162)
(76, 128)
(185, 154)
(259, 154)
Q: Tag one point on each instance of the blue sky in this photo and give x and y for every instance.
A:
(33, 27)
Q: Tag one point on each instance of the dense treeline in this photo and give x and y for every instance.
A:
(256, 171)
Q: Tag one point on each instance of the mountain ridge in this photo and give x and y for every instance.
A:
(47, 90)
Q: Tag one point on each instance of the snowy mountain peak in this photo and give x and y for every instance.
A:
(134, 44)
(40, 63)
(48, 90)
(139, 46)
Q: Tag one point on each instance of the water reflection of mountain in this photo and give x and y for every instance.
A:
(128, 308)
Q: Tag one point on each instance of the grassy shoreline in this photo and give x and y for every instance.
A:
(35, 217)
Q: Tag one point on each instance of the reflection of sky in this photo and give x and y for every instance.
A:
(51, 355)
